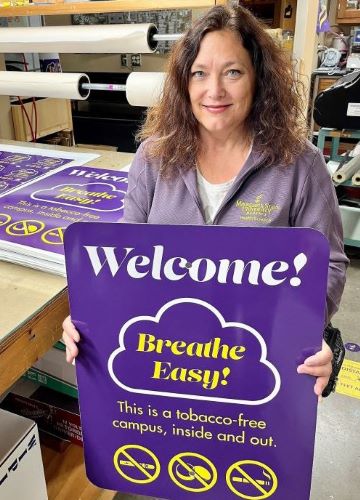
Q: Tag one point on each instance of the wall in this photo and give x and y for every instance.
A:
(305, 43)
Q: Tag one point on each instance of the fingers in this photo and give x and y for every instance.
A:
(70, 337)
(71, 350)
(70, 330)
(319, 365)
(321, 383)
(322, 357)
(321, 372)
(316, 371)
(71, 353)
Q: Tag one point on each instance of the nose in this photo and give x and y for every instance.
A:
(216, 89)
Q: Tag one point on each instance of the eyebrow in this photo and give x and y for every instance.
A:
(226, 65)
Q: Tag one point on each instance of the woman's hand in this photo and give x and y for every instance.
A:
(320, 367)
(70, 337)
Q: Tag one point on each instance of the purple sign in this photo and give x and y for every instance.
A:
(18, 168)
(322, 24)
(190, 339)
(36, 215)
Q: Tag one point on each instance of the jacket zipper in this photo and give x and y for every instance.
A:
(230, 195)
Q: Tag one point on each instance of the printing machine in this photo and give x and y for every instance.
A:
(106, 117)
(339, 105)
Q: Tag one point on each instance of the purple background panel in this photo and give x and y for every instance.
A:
(37, 215)
(18, 168)
(178, 421)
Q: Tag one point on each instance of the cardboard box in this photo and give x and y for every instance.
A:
(54, 413)
(53, 371)
(51, 381)
(52, 115)
(21, 467)
(62, 138)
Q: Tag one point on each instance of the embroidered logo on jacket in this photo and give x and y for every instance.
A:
(256, 211)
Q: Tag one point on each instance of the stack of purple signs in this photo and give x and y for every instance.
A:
(190, 339)
(20, 165)
(33, 218)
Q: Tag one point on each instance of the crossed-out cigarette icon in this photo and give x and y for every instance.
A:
(143, 465)
(243, 480)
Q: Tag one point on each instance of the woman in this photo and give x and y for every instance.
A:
(226, 145)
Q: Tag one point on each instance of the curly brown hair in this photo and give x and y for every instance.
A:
(275, 121)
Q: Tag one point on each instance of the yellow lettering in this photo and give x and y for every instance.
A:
(160, 370)
(178, 347)
(146, 342)
(209, 379)
(213, 349)
(235, 351)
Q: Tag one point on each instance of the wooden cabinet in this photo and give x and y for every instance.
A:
(348, 12)
(52, 115)
(266, 10)
(275, 13)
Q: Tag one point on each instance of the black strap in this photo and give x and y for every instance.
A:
(332, 337)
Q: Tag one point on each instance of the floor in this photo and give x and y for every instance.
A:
(336, 471)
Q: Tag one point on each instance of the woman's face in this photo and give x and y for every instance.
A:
(221, 84)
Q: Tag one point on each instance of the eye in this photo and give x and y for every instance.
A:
(198, 74)
(233, 73)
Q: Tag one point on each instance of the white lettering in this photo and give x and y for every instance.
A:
(210, 270)
(110, 258)
(239, 269)
(157, 262)
(270, 268)
(137, 260)
(169, 268)
(201, 270)
(105, 175)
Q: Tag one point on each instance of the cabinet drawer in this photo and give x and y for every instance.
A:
(325, 83)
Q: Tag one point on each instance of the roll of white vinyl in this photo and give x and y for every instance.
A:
(347, 170)
(356, 178)
(35, 84)
(144, 89)
(84, 39)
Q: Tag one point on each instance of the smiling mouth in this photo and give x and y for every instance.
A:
(217, 108)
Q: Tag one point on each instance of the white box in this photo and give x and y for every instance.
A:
(350, 217)
(21, 467)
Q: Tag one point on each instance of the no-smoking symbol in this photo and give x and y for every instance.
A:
(54, 236)
(4, 219)
(25, 227)
(251, 480)
(192, 472)
(137, 464)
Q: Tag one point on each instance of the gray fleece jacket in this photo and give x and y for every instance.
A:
(299, 195)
